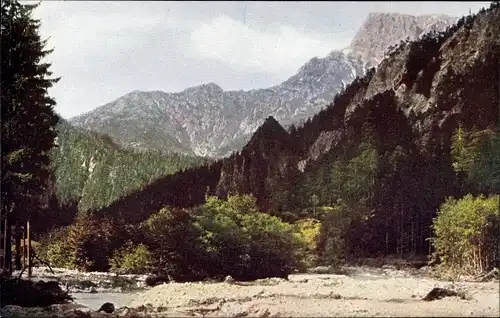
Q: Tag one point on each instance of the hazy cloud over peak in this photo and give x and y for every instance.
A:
(248, 49)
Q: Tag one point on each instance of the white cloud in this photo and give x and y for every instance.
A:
(278, 51)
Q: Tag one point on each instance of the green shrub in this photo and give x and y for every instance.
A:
(274, 249)
(466, 234)
(84, 245)
(331, 245)
(91, 239)
(225, 249)
(55, 248)
(244, 243)
(174, 244)
(131, 259)
(307, 231)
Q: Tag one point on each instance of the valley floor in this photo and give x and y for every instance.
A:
(359, 291)
(366, 292)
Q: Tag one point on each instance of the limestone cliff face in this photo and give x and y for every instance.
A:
(437, 82)
(382, 30)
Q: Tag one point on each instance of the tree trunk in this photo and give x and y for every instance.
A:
(412, 238)
(28, 234)
(8, 247)
(24, 247)
(386, 237)
(401, 227)
(4, 243)
(418, 228)
(17, 238)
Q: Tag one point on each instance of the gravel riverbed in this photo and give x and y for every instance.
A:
(324, 295)
(359, 291)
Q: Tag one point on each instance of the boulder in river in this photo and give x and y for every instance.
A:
(438, 293)
(229, 279)
(108, 308)
(154, 280)
(29, 294)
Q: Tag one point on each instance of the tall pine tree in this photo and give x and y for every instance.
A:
(28, 119)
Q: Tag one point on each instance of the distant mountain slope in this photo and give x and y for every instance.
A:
(207, 121)
(91, 171)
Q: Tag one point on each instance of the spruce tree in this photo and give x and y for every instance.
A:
(28, 118)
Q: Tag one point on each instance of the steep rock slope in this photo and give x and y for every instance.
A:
(383, 30)
(438, 80)
(207, 121)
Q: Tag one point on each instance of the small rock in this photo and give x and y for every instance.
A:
(335, 296)
(161, 308)
(438, 293)
(108, 308)
(79, 314)
(154, 280)
(229, 279)
(123, 311)
(319, 270)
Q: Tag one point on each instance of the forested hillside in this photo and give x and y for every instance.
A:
(90, 171)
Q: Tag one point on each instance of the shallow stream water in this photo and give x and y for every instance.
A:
(94, 301)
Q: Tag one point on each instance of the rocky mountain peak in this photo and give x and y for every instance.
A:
(382, 30)
(270, 127)
(271, 122)
(205, 88)
(269, 132)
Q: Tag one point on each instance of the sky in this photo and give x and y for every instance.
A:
(106, 49)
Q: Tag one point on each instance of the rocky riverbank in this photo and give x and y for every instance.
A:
(88, 282)
(353, 291)
(357, 292)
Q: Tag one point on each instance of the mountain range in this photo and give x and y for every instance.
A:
(207, 121)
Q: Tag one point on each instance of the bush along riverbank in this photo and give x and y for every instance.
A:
(211, 241)
(232, 237)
